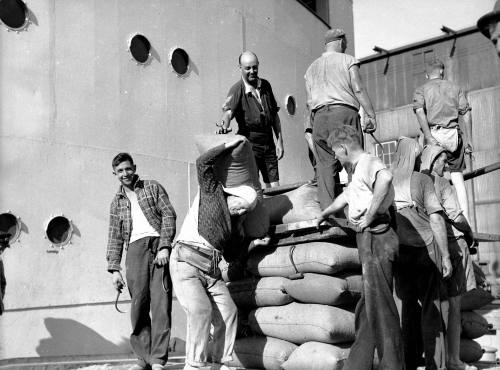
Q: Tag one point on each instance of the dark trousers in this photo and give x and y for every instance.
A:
(146, 282)
(419, 280)
(328, 167)
(376, 316)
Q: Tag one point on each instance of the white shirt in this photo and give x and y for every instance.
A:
(140, 225)
(189, 230)
(255, 91)
(359, 192)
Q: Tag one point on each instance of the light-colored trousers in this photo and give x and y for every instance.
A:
(206, 301)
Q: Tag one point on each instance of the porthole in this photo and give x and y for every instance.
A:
(179, 59)
(14, 14)
(59, 231)
(140, 48)
(11, 224)
(291, 105)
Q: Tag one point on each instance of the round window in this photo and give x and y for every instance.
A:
(59, 230)
(140, 48)
(179, 59)
(10, 224)
(14, 14)
(291, 105)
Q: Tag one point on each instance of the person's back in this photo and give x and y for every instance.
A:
(442, 102)
(329, 82)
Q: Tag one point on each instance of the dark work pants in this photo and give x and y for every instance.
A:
(150, 335)
(419, 280)
(328, 167)
(377, 319)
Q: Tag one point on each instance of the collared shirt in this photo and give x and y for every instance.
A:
(328, 81)
(442, 102)
(154, 203)
(359, 192)
(254, 109)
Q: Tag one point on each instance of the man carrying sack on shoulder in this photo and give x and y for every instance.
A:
(211, 228)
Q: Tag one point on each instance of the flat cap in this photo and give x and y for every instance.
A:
(334, 34)
(484, 22)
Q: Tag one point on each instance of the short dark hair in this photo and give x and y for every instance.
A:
(121, 157)
(434, 65)
(344, 135)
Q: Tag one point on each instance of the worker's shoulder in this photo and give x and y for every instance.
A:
(238, 85)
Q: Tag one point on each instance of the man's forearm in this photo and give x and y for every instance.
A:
(440, 234)
(380, 190)
(422, 121)
(365, 102)
(338, 204)
(467, 126)
(227, 115)
(277, 129)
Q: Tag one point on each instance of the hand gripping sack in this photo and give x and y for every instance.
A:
(261, 353)
(297, 205)
(317, 356)
(300, 323)
(320, 289)
(474, 325)
(318, 257)
(251, 293)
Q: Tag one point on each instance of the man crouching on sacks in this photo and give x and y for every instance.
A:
(369, 196)
(212, 226)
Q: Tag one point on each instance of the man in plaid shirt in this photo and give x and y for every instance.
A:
(143, 221)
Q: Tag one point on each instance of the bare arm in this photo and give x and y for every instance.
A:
(424, 125)
(363, 98)
(226, 118)
(380, 190)
(467, 128)
(460, 222)
(438, 227)
(339, 203)
(279, 138)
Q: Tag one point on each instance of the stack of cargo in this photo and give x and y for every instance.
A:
(474, 325)
(297, 300)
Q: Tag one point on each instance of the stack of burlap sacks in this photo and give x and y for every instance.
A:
(296, 302)
(473, 324)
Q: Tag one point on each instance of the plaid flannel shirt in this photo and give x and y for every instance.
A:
(154, 203)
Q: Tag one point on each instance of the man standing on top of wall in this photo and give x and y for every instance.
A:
(438, 105)
(489, 25)
(252, 103)
(143, 221)
(334, 94)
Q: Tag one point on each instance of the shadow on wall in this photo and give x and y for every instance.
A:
(69, 337)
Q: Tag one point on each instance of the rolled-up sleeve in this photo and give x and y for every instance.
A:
(418, 99)
(233, 99)
(115, 240)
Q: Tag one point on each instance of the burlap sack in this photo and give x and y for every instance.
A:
(297, 205)
(251, 293)
(300, 323)
(318, 257)
(320, 289)
(317, 356)
(237, 167)
(475, 299)
(470, 351)
(261, 353)
(474, 325)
